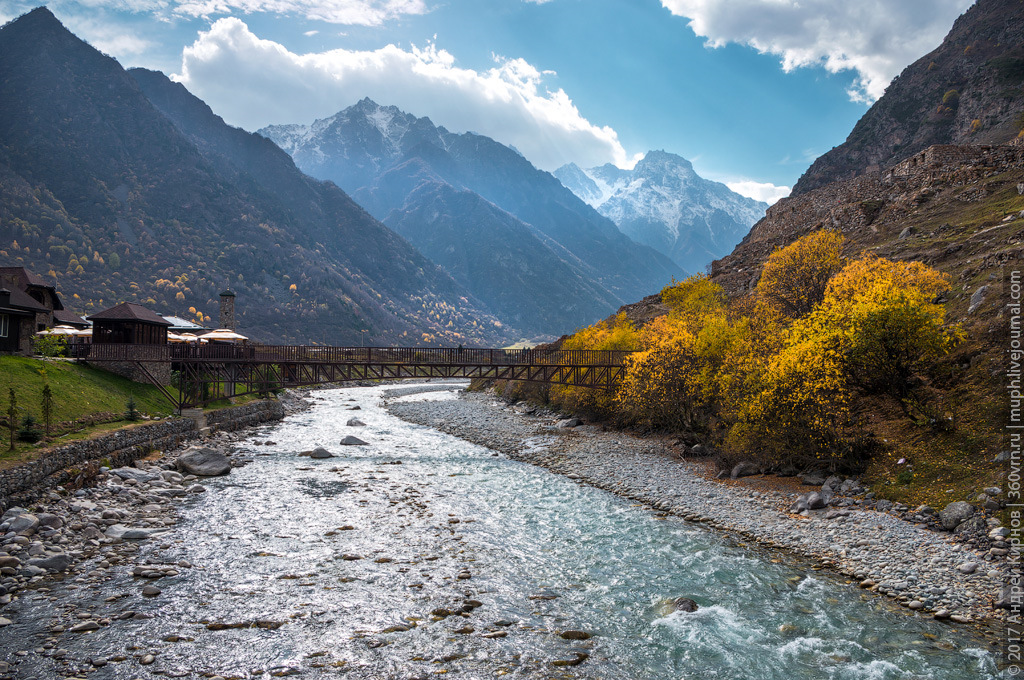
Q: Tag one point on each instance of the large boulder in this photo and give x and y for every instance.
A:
(684, 604)
(24, 525)
(955, 513)
(204, 463)
(569, 422)
(320, 452)
(353, 441)
(140, 476)
(744, 468)
(59, 562)
(355, 422)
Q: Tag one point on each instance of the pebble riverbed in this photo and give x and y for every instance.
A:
(918, 567)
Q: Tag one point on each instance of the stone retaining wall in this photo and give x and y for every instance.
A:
(24, 483)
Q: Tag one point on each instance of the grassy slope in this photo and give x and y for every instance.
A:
(79, 392)
(966, 236)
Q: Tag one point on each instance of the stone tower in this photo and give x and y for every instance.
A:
(227, 310)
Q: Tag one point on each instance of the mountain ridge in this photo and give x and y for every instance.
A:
(102, 191)
(381, 154)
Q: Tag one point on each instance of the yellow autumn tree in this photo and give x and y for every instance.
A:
(876, 326)
(794, 278)
(675, 381)
(892, 327)
(616, 333)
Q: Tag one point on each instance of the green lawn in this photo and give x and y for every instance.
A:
(78, 391)
(85, 400)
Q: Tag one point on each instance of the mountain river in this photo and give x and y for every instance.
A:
(422, 555)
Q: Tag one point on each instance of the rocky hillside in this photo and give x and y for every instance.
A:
(664, 204)
(970, 90)
(384, 156)
(127, 188)
(956, 208)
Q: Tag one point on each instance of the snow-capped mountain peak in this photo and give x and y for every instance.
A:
(662, 202)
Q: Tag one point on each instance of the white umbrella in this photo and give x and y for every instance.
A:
(224, 334)
(60, 330)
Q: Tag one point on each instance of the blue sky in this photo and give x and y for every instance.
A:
(751, 91)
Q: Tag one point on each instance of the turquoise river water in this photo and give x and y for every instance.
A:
(519, 554)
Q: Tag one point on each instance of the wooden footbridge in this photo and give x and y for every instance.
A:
(193, 375)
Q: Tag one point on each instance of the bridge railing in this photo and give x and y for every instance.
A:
(449, 356)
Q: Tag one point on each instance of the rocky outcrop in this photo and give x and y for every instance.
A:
(967, 91)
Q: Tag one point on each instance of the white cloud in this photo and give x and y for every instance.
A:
(310, 34)
(759, 191)
(253, 82)
(359, 12)
(875, 38)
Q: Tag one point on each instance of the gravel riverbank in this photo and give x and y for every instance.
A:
(922, 569)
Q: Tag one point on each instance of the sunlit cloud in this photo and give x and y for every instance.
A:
(760, 191)
(874, 38)
(254, 82)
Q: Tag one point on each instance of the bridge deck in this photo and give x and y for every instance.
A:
(209, 372)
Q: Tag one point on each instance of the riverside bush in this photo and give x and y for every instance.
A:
(775, 375)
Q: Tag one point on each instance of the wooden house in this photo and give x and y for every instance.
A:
(129, 323)
(18, 315)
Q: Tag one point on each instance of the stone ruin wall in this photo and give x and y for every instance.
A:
(22, 484)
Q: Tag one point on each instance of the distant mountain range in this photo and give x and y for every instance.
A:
(969, 90)
(521, 242)
(664, 204)
(124, 187)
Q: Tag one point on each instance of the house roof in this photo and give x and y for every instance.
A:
(23, 278)
(129, 311)
(179, 322)
(22, 300)
(68, 317)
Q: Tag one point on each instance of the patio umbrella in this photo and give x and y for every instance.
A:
(224, 335)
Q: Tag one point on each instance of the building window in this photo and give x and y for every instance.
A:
(4, 325)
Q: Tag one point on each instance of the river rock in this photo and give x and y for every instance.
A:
(817, 501)
(49, 520)
(320, 452)
(24, 525)
(85, 627)
(59, 562)
(1008, 595)
(576, 634)
(744, 468)
(353, 441)
(955, 513)
(355, 422)
(126, 533)
(135, 474)
(684, 604)
(204, 463)
(814, 478)
(569, 422)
